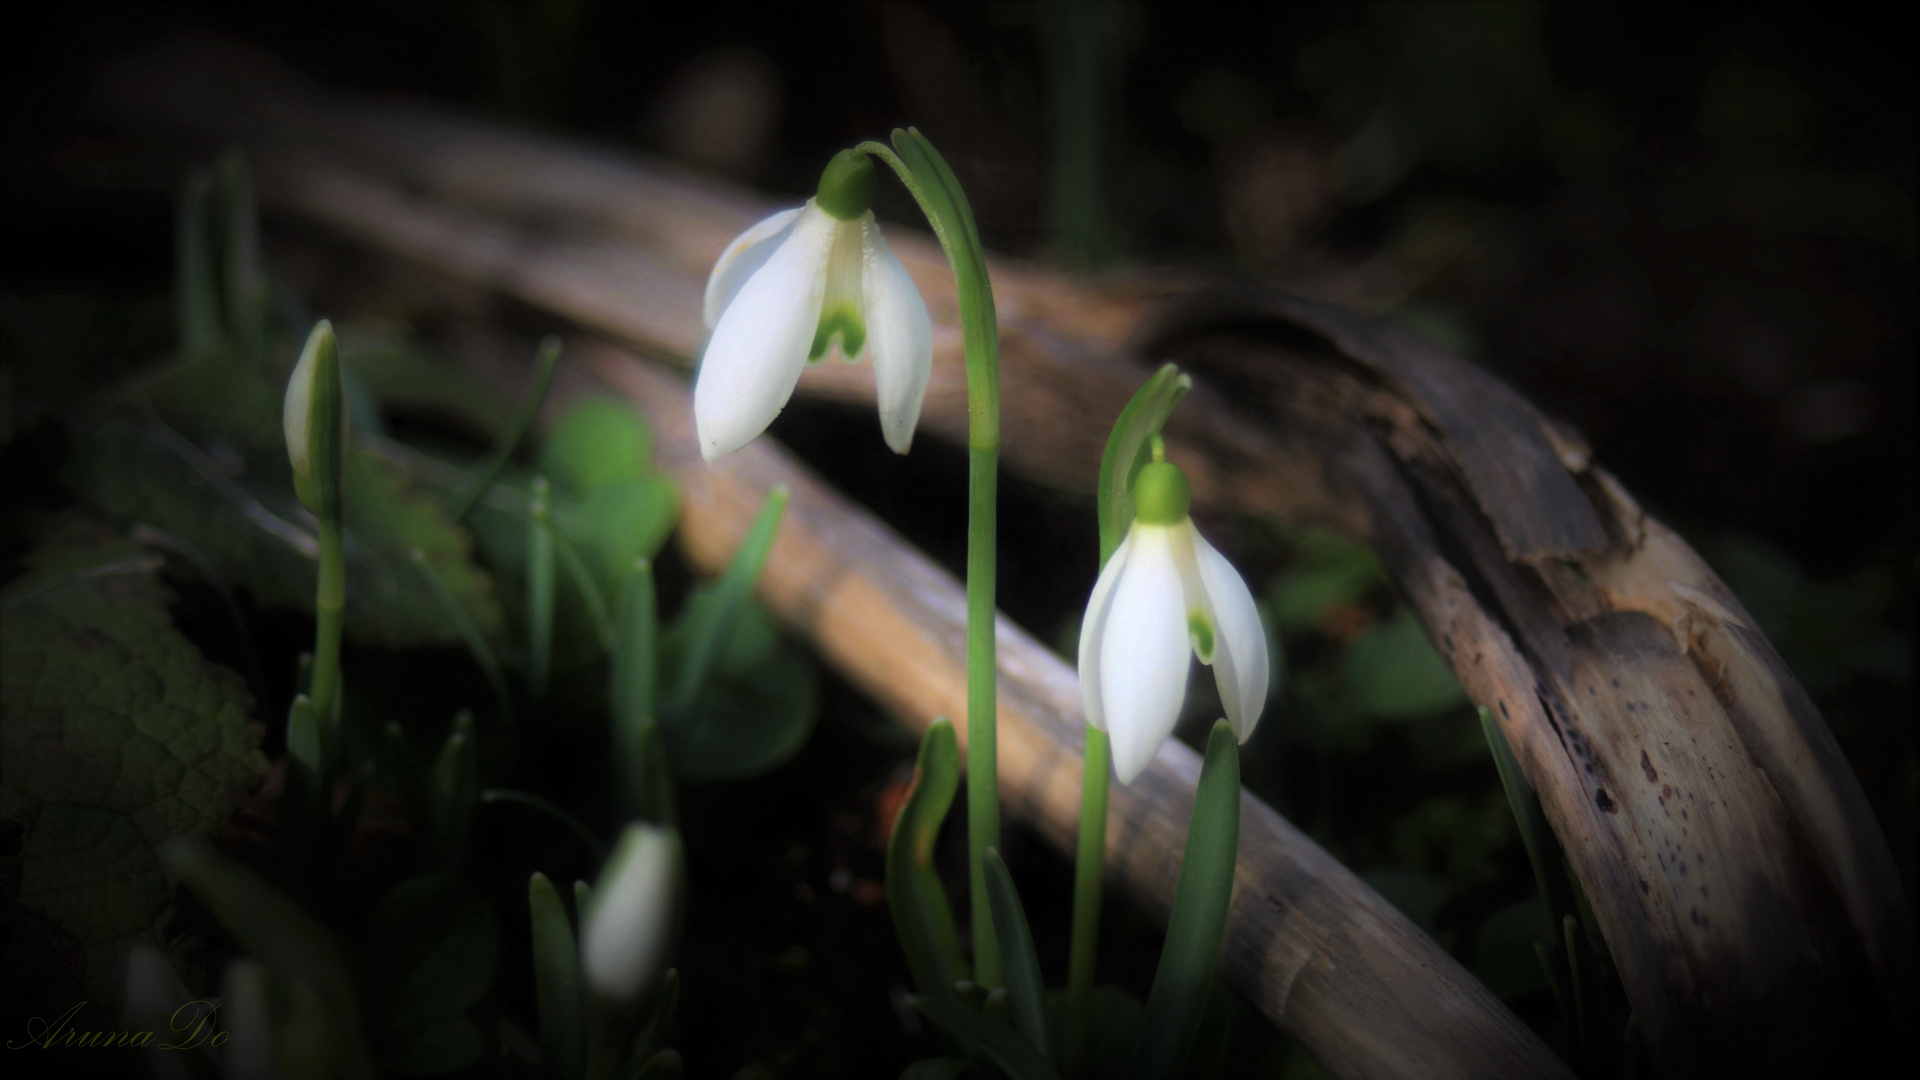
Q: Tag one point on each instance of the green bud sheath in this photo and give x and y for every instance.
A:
(315, 422)
(846, 186)
(1160, 495)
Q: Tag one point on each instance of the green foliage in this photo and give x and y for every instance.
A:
(1394, 673)
(917, 900)
(759, 703)
(1505, 950)
(1327, 573)
(427, 957)
(115, 735)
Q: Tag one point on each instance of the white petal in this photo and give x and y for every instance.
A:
(747, 253)
(1240, 642)
(760, 346)
(900, 336)
(1143, 652)
(1091, 627)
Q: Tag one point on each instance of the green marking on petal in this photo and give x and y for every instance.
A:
(1200, 629)
(844, 322)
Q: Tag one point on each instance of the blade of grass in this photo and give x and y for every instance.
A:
(469, 632)
(556, 983)
(587, 588)
(455, 789)
(633, 676)
(1199, 920)
(921, 916)
(540, 591)
(516, 427)
(730, 593)
(557, 813)
(1026, 994)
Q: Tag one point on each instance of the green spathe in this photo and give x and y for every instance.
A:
(846, 185)
(1160, 496)
(315, 419)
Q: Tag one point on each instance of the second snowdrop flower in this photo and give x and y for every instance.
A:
(790, 288)
(1165, 594)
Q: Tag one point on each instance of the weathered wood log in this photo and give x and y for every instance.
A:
(1740, 878)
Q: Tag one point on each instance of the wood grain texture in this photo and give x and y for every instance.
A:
(1606, 647)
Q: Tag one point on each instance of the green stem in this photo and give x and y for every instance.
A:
(1089, 861)
(933, 185)
(329, 609)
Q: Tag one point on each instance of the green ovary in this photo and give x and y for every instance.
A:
(1200, 630)
(844, 322)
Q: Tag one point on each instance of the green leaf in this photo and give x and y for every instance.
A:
(1503, 951)
(666, 1003)
(297, 951)
(427, 958)
(115, 734)
(241, 512)
(624, 520)
(632, 690)
(541, 565)
(921, 916)
(515, 427)
(1126, 451)
(401, 375)
(1394, 673)
(1112, 1032)
(940, 1068)
(1327, 573)
(1001, 1046)
(1543, 847)
(453, 792)
(1198, 923)
(556, 982)
(758, 704)
(600, 442)
(1026, 994)
(708, 626)
(449, 1045)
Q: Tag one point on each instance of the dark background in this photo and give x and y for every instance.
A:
(1687, 229)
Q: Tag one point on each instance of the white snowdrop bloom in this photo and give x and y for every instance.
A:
(790, 288)
(629, 923)
(1166, 594)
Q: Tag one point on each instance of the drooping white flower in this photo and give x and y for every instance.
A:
(1165, 595)
(792, 287)
(628, 926)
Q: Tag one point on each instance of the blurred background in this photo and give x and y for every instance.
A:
(1686, 229)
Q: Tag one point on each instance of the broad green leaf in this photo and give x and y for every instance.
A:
(915, 896)
(428, 957)
(599, 442)
(1026, 994)
(709, 626)
(622, 521)
(1503, 951)
(1393, 672)
(239, 510)
(115, 734)
(758, 704)
(1198, 923)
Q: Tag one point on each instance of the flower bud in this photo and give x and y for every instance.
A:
(1160, 495)
(315, 421)
(629, 924)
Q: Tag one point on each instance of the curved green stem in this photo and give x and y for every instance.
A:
(329, 611)
(1089, 861)
(933, 185)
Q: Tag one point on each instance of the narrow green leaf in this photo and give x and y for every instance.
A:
(588, 590)
(516, 426)
(666, 1002)
(636, 652)
(1126, 451)
(1543, 848)
(196, 282)
(469, 633)
(454, 791)
(1199, 920)
(1026, 994)
(303, 674)
(921, 916)
(711, 624)
(274, 931)
(244, 283)
(558, 814)
(407, 775)
(1001, 1046)
(556, 983)
(540, 590)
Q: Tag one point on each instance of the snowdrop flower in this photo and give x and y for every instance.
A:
(629, 924)
(1164, 593)
(791, 287)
